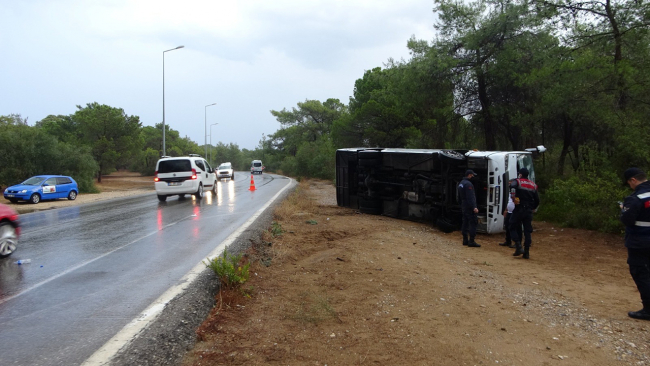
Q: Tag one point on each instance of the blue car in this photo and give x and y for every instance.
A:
(43, 187)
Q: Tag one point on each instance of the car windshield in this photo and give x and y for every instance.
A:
(257, 165)
(34, 181)
(173, 166)
(224, 166)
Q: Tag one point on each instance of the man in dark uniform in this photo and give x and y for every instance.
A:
(467, 200)
(635, 215)
(524, 194)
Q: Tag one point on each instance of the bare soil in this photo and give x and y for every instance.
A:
(342, 288)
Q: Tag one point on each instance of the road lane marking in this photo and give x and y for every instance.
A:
(132, 330)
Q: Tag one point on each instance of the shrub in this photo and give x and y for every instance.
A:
(584, 201)
(232, 273)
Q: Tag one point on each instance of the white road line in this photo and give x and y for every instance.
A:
(124, 337)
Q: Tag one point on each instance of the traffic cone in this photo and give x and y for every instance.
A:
(252, 188)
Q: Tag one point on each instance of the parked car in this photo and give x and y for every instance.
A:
(43, 187)
(257, 167)
(9, 230)
(184, 175)
(225, 171)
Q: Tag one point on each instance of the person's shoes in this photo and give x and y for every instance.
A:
(518, 250)
(506, 244)
(642, 314)
(465, 241)
(526, 253)
(473, 244)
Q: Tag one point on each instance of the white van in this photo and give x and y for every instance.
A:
(257, 167)
(184, 175)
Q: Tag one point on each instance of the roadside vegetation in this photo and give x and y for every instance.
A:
(501, 75)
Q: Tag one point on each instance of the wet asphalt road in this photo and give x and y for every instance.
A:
(95, 267)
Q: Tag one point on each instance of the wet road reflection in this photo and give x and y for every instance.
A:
(96, 267)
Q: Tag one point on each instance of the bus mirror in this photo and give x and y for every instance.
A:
(539, 149)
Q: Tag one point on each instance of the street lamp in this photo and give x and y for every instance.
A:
(205, 140)
(163, 126)
(211, 140)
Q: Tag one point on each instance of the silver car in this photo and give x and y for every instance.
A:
(225, 171)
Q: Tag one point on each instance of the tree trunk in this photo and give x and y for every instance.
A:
(567, 132)
(488, 123)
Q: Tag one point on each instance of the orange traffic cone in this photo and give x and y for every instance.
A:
(252, 188)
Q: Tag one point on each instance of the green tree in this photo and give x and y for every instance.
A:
(29, 151)
(311, 120)
(112, 134)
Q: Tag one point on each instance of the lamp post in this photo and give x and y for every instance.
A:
(211, 140)
(163, 126)
(205, 141)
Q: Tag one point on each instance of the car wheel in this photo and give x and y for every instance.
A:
(72, 195)
(8, 239)
(162, 198)
(214, 188)
(35, 198)
(13, 200)
(232, 176)
(199, 192)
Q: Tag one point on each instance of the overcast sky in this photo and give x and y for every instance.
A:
(248, 56)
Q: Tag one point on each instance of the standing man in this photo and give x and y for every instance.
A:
(524, 194)
(635, 215)
(507, 213)
(467, 200)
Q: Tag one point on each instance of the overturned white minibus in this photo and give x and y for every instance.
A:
(421, 184)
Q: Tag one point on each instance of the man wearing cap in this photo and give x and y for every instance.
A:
(467, 200)
(635, 215)
(524, 194)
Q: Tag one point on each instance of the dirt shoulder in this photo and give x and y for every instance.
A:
(343, 288)
(116, 185)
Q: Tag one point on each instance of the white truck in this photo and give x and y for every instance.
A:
(421, 184)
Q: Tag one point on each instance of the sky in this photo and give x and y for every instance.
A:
(248, 56)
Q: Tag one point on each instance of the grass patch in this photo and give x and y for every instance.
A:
(313, 308)
(276, 229)
(298, 201)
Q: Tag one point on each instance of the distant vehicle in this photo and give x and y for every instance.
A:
(421, 185)
(9, 230)
(257, 167)
(43, 187)
(225, 171)
(184, 175)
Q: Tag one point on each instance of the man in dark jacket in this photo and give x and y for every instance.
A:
(467, 200)
(635, 215)
(524, 194)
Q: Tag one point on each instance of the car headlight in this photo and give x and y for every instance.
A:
(23, 191)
